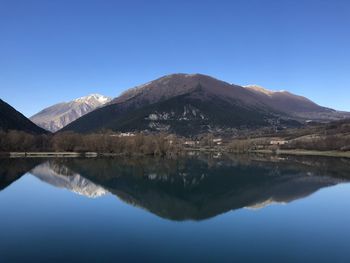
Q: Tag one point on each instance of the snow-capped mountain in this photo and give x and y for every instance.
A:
(62, 177)
(93, 99)
(59, 115)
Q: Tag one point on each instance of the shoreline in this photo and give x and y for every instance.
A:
(48, 154)
(297, 152)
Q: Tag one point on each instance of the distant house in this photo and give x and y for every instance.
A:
(126, 134)
(123, 134)
(217, 141)
(278, 142)
(190, 143)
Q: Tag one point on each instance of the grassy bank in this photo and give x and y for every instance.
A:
(306, 153)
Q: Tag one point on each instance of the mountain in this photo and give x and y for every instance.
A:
(59, 115)
(181, 103)
(191, 104)
(11, 119)
(296, 106)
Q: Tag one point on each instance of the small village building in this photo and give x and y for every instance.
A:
(278, 142)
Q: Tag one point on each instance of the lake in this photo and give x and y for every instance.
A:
(188, 209)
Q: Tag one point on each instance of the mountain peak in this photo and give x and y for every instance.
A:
(93, 97)
(177, 84)
(163, 87)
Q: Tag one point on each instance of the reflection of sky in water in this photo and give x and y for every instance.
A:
(39, 221)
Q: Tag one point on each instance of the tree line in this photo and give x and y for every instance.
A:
(156, 144)
(151, 144)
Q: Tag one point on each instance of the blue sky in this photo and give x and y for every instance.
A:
(57, 50)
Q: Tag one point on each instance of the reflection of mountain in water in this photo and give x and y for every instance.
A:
(62, 177)
(197, 188)
(11, 169)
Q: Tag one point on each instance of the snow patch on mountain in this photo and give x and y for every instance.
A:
(260, 89)
(59, 115)
(92, 98)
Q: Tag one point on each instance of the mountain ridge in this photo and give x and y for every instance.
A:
(55, 117)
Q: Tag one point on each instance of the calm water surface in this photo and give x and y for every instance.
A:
(195, 209)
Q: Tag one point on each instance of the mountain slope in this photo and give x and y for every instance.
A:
(181, 103)
(191, 104)
(59, 115)
(11, 119)
(297, 106)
